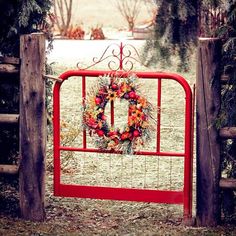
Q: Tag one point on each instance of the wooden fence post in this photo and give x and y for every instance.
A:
(208, 143)
(32, 127)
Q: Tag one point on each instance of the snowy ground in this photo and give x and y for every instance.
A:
(69, 52)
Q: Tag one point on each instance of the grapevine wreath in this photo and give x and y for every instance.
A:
(138, 128)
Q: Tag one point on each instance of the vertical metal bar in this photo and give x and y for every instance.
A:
(158, 171)
(132, 172)
(110, 168)
(56, 137)
(83, 102)
(192, 143)
(145, 173)
(158, 137)
(121, 56)
(121, 174)
(188, 157)
(112, 114)
(171, 165)
(112, 108)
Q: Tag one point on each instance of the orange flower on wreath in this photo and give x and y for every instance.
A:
(111, 95)
(142, 102)
(124, 88)
(139, 114)
(125, 135)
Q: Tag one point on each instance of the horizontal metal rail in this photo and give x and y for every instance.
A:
(146, 153)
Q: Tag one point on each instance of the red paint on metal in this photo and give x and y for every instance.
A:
(158, 147)
(112, 110)
(121, 56)
(83, 102)
(56, 137)
(112, 114)
(174, 197)
(148, 153)
(125, 194)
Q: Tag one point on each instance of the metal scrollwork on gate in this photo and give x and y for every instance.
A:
(120, 57)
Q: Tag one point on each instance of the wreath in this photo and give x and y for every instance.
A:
(138, 128)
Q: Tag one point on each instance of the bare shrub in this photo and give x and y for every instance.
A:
(129, 9)
(63, 15)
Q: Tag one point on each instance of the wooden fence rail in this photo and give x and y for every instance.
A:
(228, 133)
(228, 183)
(9, 169)
(9, 67)
(9, 118)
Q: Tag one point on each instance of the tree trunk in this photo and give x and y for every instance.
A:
(208, 144)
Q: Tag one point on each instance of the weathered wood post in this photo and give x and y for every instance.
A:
(32, 127)
(208, 143)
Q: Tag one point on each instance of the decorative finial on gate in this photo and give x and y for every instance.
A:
(122, 57)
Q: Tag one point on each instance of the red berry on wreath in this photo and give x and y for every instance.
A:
(103, 117)
(114, 86)
(98, 100)
(136, 133)
(101, 91)
(132, 95)
(116, 140)
(92, 123)
(100, 132)
(112, 133)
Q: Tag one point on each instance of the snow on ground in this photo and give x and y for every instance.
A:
(69, 52)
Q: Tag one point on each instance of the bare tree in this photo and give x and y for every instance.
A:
(63, 15)
(129, 9)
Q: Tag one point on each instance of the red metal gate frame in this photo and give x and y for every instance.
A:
(166, 196)
(183, 196)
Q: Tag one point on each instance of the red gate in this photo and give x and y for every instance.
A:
(182, 196)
